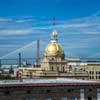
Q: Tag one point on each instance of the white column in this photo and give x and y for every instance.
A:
(98, 93)
(82, 94)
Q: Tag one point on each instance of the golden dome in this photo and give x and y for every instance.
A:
(53, 49)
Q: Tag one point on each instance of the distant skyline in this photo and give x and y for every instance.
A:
(24, 21)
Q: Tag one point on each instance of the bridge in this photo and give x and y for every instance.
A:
(49, 89)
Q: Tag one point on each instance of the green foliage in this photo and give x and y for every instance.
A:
(7, 77)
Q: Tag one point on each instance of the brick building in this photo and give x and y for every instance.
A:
(49, 89)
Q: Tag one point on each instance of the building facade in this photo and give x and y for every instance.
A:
(54, 64)
(93, 69)
(49, 89)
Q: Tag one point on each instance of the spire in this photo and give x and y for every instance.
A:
(53, 20)
(54, 33)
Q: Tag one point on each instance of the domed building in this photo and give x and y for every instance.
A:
(53, 63)
(54, 49)
(54, 57)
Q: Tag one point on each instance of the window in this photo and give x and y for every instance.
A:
(90, 90)
(48, 91)
(64, 98)
(96, 72)
(91, 72)
(99, 77)
(48, 99)
(90, 98)
(63, 69)
(51, 68)
(69, 90)
(92, 77)
(96, 77)
(74, 98)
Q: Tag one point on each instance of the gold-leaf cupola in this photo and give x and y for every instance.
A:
(54, 48)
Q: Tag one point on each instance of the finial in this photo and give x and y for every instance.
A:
(54, 33)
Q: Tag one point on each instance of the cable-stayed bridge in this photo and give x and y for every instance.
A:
(29, 52)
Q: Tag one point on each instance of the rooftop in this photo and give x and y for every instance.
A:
(67, 81)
